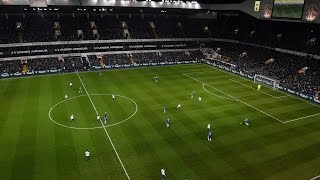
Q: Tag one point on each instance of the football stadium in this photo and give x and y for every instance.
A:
(168, 90)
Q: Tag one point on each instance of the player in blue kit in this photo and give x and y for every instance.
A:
(192, 94)
(105, 118)
(168, 122)
(246, 121)
(209, 135)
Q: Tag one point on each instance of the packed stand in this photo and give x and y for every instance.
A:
(70, 26)
(44, 64)
(8, 31)
(196, 55)
(109, 27)
(73, 63)
(140, 29)
(37, 28)
(197, 29)
(166, 28)
(276, 34)
(116, 59)
(10, 67)
(178, 56)
(94, 62)
(144, 58)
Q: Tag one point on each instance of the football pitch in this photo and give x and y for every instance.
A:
(39, 141)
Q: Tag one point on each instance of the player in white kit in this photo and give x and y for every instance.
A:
(87, 154)
(98, 117)
(163, 173)
(179, 106)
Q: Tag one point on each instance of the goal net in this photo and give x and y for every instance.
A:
(267, 80)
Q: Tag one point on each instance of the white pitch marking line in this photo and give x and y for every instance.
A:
(301, 118)
(105, 130)
(203, 86)
(287, 94)
(290, 95)
(197, 72)
(314, 178)
(234, 98)
(98, 127)
(256, 89)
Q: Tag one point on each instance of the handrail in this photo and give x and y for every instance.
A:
(102, 41)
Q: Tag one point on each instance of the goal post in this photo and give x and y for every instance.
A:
(266, 80)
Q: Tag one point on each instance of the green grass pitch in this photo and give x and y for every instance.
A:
(282, 142)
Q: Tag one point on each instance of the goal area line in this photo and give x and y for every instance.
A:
(230, 97)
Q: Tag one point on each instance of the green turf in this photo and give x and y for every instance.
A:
(287, 11)
(33, 147)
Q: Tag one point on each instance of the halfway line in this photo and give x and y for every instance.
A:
(105, 130)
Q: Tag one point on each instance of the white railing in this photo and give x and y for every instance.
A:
(103, 41)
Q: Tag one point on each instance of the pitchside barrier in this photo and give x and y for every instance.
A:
(54, 71)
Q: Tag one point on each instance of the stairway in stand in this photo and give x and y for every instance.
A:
(132, 60)
(101, 62)
(20, 37)
(155, 33)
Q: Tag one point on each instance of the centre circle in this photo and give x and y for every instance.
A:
(95, 127)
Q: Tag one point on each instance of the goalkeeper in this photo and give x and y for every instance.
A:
(259, 87)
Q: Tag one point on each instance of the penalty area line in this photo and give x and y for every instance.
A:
(203, 87)
(105, 130)
(233, 97)
(314, 178)
(304, 117)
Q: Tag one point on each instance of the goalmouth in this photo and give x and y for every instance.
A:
(266, 80)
